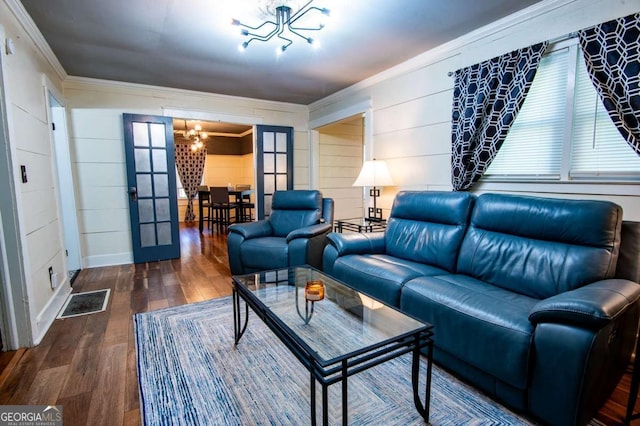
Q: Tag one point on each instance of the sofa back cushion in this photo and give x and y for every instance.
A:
(428, 226)
(294, 209)
(540, 247)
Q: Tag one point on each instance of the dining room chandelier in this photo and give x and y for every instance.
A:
(284, 26)
(196, 135)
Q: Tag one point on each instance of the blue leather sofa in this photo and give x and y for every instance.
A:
(522, 292)
(295, 233)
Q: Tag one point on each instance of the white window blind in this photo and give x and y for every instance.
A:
(534, 143)
(598, 148)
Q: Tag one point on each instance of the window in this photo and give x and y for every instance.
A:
(563, 133)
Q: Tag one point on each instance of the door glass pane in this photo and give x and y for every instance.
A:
(157, 135)
(147, 235)
(281, 142)
(164, 234)
(142, 160)
(268, 142)
(145, 210)
(281, 163)
(269, 184)
(144, 185)
(159, 160)
(269, 161)
(281, 182)
(162, 210)
(140, 134)
(267, 205)
(161, 184)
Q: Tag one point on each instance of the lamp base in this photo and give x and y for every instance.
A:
(375, 215)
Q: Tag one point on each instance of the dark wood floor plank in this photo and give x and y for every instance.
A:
(15, 389)
(63, 349)
(75, 409)
(46, 386)
(107, 399)
(82, 372)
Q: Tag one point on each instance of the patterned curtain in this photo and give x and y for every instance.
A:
(486, 100)
(612, 54)
(190, 166)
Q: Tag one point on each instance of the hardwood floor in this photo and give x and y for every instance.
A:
(88, 363)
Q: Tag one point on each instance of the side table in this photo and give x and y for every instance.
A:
(360, 224)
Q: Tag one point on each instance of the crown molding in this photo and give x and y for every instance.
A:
(23, 18)
(446, 50)
(74, 82)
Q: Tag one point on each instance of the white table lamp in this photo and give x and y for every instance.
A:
(375, 174)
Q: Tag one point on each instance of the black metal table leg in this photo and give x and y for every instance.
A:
(238, 327)
(345, 394)
(325, 405)
(313, 398)
(423, 409)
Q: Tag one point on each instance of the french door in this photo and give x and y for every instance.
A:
(274, 164)
(151, 177)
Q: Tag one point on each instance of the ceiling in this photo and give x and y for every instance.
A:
(190, 44)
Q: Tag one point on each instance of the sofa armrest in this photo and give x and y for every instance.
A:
(250, 230)
(358, 243)
(309, 231)
(593, 305)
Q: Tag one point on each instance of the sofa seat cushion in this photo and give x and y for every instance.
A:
(380, 275)
(265, 253)
(484, 325)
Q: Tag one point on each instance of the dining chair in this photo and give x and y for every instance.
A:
(245, 206)
(204, 207)
(221, 206)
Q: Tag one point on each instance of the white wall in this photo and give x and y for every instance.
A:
(31, 145)
(339, 163)
(96, 109)
(412, 102)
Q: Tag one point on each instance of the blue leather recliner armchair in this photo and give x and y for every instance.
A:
(294, 234)
(534, 300)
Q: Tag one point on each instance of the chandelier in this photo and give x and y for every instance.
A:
(283, 27)
(195, 135)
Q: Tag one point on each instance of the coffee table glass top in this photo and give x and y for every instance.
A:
(331, 319)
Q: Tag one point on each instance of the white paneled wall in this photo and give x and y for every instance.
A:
(341, 149)
(412, 102)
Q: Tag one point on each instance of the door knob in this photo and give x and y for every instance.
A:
(133, 193)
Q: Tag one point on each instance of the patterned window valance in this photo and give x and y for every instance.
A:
(612, 55)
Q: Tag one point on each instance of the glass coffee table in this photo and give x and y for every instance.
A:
(332, 329)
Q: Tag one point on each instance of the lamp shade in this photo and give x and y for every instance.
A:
(374, 173)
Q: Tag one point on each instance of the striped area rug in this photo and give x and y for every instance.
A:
(190, 373)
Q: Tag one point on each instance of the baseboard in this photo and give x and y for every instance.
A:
(49, 313)
(107, 260)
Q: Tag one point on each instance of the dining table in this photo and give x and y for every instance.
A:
(236, 196)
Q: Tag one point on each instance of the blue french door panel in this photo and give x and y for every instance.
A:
(151, 177)
(274, 165)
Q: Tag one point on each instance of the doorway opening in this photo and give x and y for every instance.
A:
(341, 147)
(65, 195)
(230, 159)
